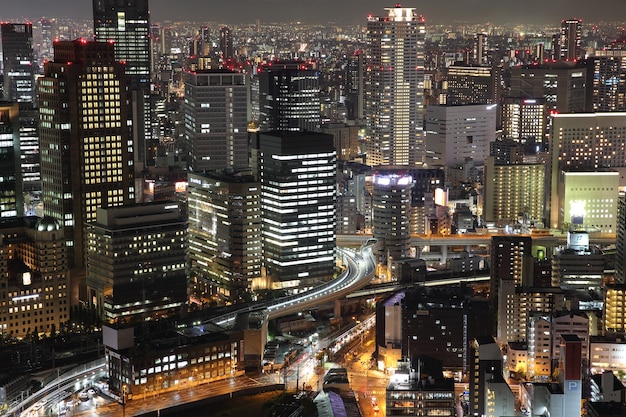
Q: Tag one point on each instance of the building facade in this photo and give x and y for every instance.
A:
(394, 87)
(297, 173)
(224, 235)
(86, 140)
(136, 262)
(216, 119)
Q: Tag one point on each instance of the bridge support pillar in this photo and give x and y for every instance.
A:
(444, 253)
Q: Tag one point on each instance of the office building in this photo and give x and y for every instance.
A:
(561, 84)
(569, 45)
(35, 277)
(86, 141)
(601, 150)
(606, 76)
(289, 96)
(136, 262)
(224, 235)
(587, 200)
(471, 84)
(127, 25)
(578, 266)
(457, 134)
(524, 120)
(511, 260)
(29, 149)
(608, 352)
(216, 120)
(479, 53)
(394, 88)
(18, 62)
(506, 152)
(11, 197)
(514, 193)
(297, 172)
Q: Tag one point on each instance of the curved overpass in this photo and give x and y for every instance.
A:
(360, 269)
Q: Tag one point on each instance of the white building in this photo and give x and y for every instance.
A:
(455, 134)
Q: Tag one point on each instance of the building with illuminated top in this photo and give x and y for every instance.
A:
(391, 212)
(471, 84)
(86, 141)
(394, 87)
(297, 172)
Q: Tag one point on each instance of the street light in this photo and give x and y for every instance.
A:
(124, 400)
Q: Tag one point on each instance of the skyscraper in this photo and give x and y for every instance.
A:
(86, 139)
(569, 47)
(216, 119)
(298, 200)
(18, 61)
(226, 43)
(289, 96)
(126, 23)
(224, 234)
(395, 87)
(11, 197)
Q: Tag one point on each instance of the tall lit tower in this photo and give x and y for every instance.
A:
(394, 87)
(126, 23)
(569, 39)
(298, 205)
(86, 140)
(17, 61)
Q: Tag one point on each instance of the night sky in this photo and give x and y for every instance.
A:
(341, 11)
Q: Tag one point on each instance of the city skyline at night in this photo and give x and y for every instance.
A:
(324, 11)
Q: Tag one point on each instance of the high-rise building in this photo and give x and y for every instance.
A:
(216, 119)
(29, 149)
(602, 151)
(11, 197)
(524, 120)
(479, 55)
(394, 88)
(391, 207)
(511, 260)
(606, 77)
(561, 84)
(136, 262)
(127, 25)
(35, 277)
(355, 86)
(298, 198)
(614, 315)
(86, 140)
(227, 49)
(514, 192)
(457, 134)
(569, 46)
(45, 51)
(224, 234)
(289, 96)
(471, 84)
(18, 62)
